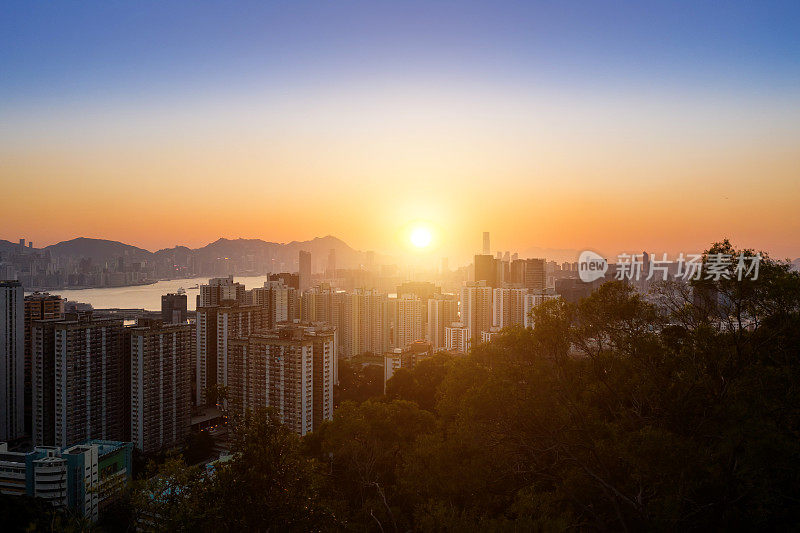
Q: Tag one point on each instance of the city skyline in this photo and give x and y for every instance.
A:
(552, 126)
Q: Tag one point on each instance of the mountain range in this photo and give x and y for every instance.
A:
(101, 251)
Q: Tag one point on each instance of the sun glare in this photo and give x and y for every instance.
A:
(421, 237)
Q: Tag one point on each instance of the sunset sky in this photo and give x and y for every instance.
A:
(569, 125)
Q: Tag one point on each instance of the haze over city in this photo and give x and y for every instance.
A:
(396, 266)
(551, 126)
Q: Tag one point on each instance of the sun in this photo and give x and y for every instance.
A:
(421, 237)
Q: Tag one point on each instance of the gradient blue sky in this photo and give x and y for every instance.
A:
(90, 86)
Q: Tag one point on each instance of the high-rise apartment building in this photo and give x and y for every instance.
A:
(219, 290)
(457, 337)
(509, 307)
(12, 360)
(365, 322)
(408, 320)
(476, 307)
(487, 250)
(43, 384)
(288, 279)
(38, 306)
(91, 380)
(173, 308)
(304, 270)
(278, 301)
(533, 300)
(442, 311)
(222, 313)
(290, 369)
(161, 375)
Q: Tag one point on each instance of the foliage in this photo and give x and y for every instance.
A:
(678, 409)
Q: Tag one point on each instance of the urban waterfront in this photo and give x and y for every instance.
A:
(146, 297)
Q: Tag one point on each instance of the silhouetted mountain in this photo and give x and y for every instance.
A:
(99, 250)
(246, 254)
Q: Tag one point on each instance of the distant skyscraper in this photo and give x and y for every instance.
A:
(330, 271)
(476, 308)
(305, 270)
(173, 308)
(486, 248)
(408, 320)
(442, 311)
(12, 360)
(161, 379)
(486, 269)
(535, 274)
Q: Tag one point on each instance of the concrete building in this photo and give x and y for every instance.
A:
(408, 320)
(458, 337)
(476, 307)
(222, 313)
(304, 270)
(290, 369)
(535, 274)
(43, 384)
(508, 308)
(173, 308)
(533, 300)
(38, 306)
(161, 375)
(442, 311)
(486, 270)
(12, 360)
(406, 357)
(84, 478)
(91, 380)
(487, 336)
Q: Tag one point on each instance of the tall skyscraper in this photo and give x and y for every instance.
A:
(276, 299)
(38, 306)
(173, 308)
(536, 274)
(486, 269)
(222, 313)
(442, 311)
(161, 376)
(92, 380)
(487, 250)
(305, 270)
(409, 324)
(43, 384)
(330, 271)
(476, 307)
(12, 360)
(364, 322)
(289, 369)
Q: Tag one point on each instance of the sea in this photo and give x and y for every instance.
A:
(146, 297)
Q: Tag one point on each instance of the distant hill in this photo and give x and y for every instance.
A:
(99, 250)
(102, 251)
